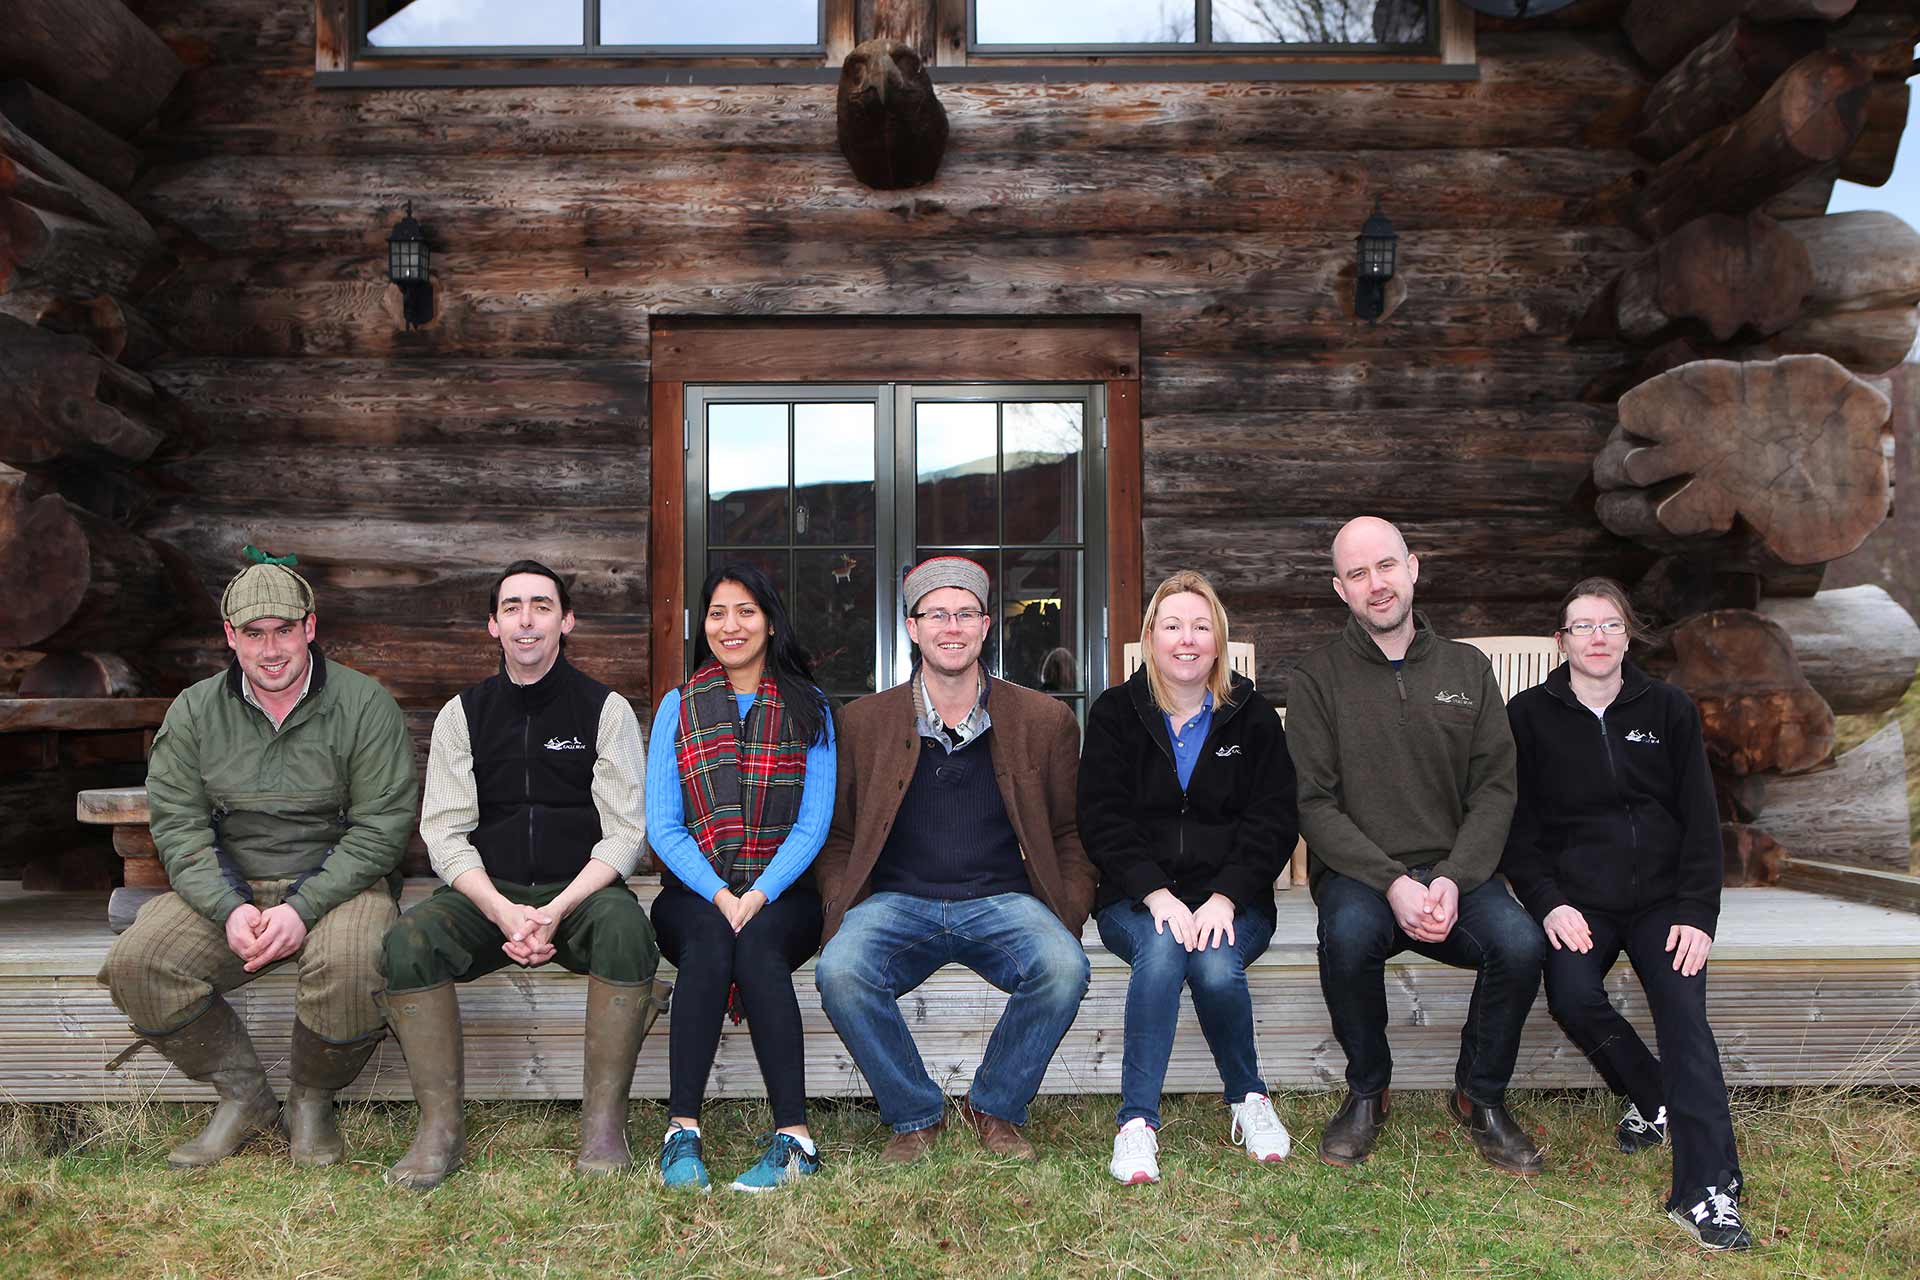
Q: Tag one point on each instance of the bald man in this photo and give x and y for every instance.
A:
(1406, 775)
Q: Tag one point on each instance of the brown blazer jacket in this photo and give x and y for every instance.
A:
(1036, 759)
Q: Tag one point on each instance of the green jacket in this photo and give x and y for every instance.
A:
(329, 800)
(1401, 769)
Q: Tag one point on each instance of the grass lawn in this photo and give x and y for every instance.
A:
(84, 1191)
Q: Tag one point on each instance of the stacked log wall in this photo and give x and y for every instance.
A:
(405, 467)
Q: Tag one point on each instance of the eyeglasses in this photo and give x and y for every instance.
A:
(1611, 627)
(940, 617)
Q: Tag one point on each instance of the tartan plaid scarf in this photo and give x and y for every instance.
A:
(741, 779)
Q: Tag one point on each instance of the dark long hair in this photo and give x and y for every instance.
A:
(787, 658)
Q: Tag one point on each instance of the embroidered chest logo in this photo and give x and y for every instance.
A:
(1224, 752)
(1644, 735)
(1452, 699)
(565, 744)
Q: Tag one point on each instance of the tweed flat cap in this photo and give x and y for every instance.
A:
(266, 591)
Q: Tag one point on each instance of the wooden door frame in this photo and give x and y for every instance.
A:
(726, 349)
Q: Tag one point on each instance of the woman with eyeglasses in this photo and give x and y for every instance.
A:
(1615, 846)
(1187, 810)
(740, 784)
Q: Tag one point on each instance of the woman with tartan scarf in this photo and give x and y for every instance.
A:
(740, 784)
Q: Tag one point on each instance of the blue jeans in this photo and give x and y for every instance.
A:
(893, 942)
(1493, 935)
(1218, 979)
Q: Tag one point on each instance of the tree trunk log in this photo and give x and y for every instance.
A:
(1720, 81)
(1809, 118)
(1679, 586)
(1870, 162)
(93, 55)
(1724, 273)
(1861, 260)
(1854, 812)
(40, 247)
(1757, 711)
(1663, 32)
(1857, 646)
(80, 196)
(113, 327)
(1751, 857)
(62, 402)
(1867, 342)
(1711, 442)
(80, 675)
(83, 144)
(73, 579)
(911, 22)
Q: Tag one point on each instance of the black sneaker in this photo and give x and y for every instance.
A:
(1712, 1217)
(1636, 1133)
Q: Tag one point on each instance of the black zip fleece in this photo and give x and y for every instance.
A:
(1229, 832)
(1614, 814)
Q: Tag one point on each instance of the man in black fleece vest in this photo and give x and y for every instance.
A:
(534, 818)
(1405, 767)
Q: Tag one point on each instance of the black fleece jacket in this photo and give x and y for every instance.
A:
(1229, 832)
(1614, 815)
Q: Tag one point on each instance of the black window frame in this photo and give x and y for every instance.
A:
(590, 46)
(1202, 46)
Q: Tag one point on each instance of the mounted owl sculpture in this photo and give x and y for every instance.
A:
(893, 130)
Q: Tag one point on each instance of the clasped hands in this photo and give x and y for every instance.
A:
(1195, 929)
(739, 908)
(261, 938)
(1425, 912)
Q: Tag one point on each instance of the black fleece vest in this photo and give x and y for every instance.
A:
(534, 748)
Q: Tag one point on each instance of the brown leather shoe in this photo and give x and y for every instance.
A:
(1349, 1137)
(1001, 1137)
(907, 1148)
(1498, 1136)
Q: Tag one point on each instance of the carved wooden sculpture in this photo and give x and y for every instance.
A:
(1792, 447)
(1757, 711)
(893, 130)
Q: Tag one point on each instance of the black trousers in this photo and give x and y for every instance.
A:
(1686, 1077)
(710, 958)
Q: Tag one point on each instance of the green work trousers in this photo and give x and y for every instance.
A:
(448, 939)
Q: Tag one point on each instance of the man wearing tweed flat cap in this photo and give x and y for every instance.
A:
(282, 793)
(955, 840)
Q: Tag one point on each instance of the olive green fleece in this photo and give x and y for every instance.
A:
(328, 799)
(1405, 769)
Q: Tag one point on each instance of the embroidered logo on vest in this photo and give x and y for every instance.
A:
(1644, 735)
(565, 744)
(1233, 750)
(1452, 699)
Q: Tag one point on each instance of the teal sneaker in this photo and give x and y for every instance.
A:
(785, 1161)
(680, 1162)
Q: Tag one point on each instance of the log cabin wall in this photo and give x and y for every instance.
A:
(406, 467)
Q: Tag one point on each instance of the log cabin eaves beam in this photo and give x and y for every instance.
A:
(640, 74)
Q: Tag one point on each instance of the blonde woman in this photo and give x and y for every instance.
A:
(1187, 810)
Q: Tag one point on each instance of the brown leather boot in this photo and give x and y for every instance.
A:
(1001, 1137)
(320, 1068)
(428, 1026)
(1498, 1136)
(908, 1148)
(618, 1017)
(215, 1049)
(1349, 1137)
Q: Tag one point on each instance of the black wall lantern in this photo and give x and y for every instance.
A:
(408, 260)
(1376, 247)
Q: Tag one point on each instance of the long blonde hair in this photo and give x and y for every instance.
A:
(1220, 679)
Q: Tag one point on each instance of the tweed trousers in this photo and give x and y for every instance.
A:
(165, 970)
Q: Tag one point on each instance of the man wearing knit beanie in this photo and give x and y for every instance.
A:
(282, 792)
(961, 848)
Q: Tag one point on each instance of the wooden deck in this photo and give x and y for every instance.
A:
(1807, 989)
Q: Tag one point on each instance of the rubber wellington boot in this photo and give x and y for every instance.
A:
(215, 1049)
(428, 1026)
(319, 1068)
(618, 1017)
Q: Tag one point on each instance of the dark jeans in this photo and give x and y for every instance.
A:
(448, 938)
(709, 958)
(1493, 935)
(1218, 979)
(893, 942)
(1686, 1077)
